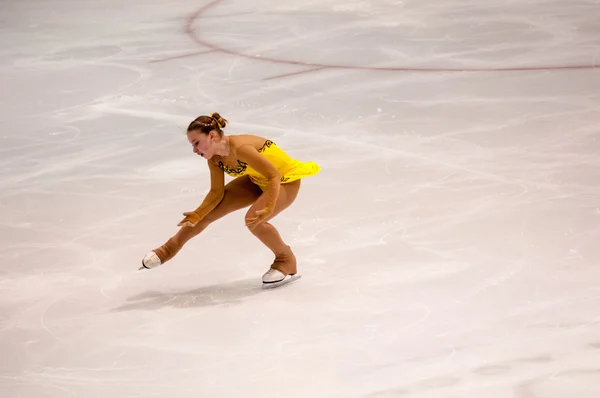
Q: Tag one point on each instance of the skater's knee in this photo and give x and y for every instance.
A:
(255, 229)
(250, 214)
(252, 229)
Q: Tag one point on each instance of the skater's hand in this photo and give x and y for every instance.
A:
(259, 217)
(190, 220)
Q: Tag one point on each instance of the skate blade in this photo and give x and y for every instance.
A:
(285, 281)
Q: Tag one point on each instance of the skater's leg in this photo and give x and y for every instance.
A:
(239, 193)
(285, 260)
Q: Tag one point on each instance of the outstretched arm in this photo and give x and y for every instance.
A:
(212, 199)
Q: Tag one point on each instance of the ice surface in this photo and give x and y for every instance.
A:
(449, 248)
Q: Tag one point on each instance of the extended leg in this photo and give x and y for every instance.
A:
(239, 193)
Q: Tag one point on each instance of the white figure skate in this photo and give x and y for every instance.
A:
(150, 261)
(274, 278)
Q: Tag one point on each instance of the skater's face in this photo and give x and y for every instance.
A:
(203, 144)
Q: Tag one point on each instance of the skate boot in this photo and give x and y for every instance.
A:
(150, 261)
(283, 270)
(160, 255)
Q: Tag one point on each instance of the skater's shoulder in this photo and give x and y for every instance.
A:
(238, 141)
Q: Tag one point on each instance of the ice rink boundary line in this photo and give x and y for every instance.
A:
(190, 30)
(184, 120)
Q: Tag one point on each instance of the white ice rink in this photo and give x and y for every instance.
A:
(450, 246)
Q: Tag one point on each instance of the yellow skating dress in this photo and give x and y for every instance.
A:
(289, 168)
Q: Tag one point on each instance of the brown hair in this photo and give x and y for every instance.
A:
(206, 124)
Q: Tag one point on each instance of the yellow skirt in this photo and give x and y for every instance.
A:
(298, 171)
(289, 168)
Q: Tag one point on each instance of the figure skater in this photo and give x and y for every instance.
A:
(266, 178)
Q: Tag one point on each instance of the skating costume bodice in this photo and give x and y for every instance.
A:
(289, 168)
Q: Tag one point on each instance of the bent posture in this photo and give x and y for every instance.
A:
(267, 180)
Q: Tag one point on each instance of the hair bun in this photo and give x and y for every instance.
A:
(220, 121)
